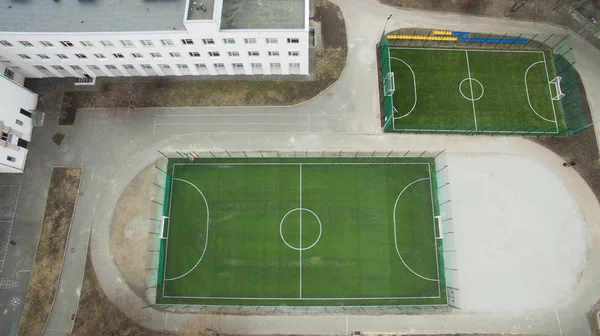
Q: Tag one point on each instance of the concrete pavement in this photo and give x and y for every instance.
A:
(115, 145)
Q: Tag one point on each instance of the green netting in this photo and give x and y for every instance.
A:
(385, 69)
(161, 263)
(166, 199)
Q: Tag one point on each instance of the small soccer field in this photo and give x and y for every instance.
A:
(301, 232)
(481, 91)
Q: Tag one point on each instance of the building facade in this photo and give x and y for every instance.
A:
(16, 111)
(123, 38)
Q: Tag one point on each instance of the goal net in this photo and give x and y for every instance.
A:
(162, 227)
(389, 86)
(557, 94)
(440, 227)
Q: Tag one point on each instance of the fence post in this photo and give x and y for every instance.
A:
(163, 154)
(160, 169)
(546, 40)
(513, 42)
(500, 40)
(559, 42)
(533, 38)
(486, 39)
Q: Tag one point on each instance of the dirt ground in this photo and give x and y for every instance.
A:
(129, 237)
(60, 204)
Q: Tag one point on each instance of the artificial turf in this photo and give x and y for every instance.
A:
(349, 258)
(496, 100)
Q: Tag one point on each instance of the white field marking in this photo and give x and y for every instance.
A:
(12, 222)
(558, 320)
(225, 123)
(168, 230)
(414, 85)
(207, 224)
(471, 84)
(395, 234)
(300, 248)
(228, 114)
(550, 91)
(305, 298)
(437, 261)
(462, 49)
(527, 92)
(300, 231)
(457, 130)
(296, 163)
(473, 99)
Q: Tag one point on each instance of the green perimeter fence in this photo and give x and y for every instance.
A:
(447, 249)
(556, 46)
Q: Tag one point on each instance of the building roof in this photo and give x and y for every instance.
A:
(201, 10)
(263, 14)
(91, 15)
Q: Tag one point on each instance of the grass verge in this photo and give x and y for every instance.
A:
(60, 205)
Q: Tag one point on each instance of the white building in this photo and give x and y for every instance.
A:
(16, 125)
(81, 38)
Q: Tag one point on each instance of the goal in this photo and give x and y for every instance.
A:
(556, 84)
(440, 226)
(162, 227)
(389, 86)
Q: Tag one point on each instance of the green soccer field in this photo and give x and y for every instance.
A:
(302, 232)
(487, 91)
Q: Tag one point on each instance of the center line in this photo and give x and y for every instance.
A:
(300, 231)
(472, 93)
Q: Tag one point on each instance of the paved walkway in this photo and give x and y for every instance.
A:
(115, 145)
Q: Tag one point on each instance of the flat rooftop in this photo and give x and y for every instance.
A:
(201, 10)
(263, 14)
(91, 15)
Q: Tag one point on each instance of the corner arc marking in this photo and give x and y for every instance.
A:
(205, 240)
(396, 236)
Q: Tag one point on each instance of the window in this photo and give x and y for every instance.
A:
(75, 67)
(182, 66)
(229, 41)
(164, 66)
(250, 40)
(66, 44)
(118, 55)
(19, 122)
(256, 65)
(111, 67)
(26, 43)
(24, 56)
(86, 43)
(100, 56)
(167, 42)
(62, 56)
(219, 65)
(94, 67)
(43, 56)
(57, 67)
(187, 41)
(128, 66)
(175, 54)
(200, 65)
(9, 73)
(9, 158)
(208, 41)
(137, 55)
(237, 65)
(273, 53)
(156, 55)
(275, 65)
(46, 44)
(196, 54)
(147, 43)
(146, 66)
(293, 53)
(126, 43)
(106, 43)
(234, 54)
(271, 40)
(81, 56)
(252, 53)
(293, 40)
(295, 65)
(214, 54)
(5, 43)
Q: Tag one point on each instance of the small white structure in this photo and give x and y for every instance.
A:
(123, 38)
(16, 125)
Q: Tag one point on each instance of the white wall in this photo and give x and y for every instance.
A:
(13, 98)
(197, 32)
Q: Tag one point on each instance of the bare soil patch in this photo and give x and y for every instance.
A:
(62, 197)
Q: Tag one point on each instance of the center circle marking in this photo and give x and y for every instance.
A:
(300, 248)
(470, 83)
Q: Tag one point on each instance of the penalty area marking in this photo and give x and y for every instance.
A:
(414, 85)
(527, 93)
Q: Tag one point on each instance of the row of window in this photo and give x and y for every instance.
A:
(193, 54)
(147, 43)
(163, 66)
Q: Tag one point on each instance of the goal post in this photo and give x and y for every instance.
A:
(389, 85)
(440, 227)
(557, 94)
(162, 227)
